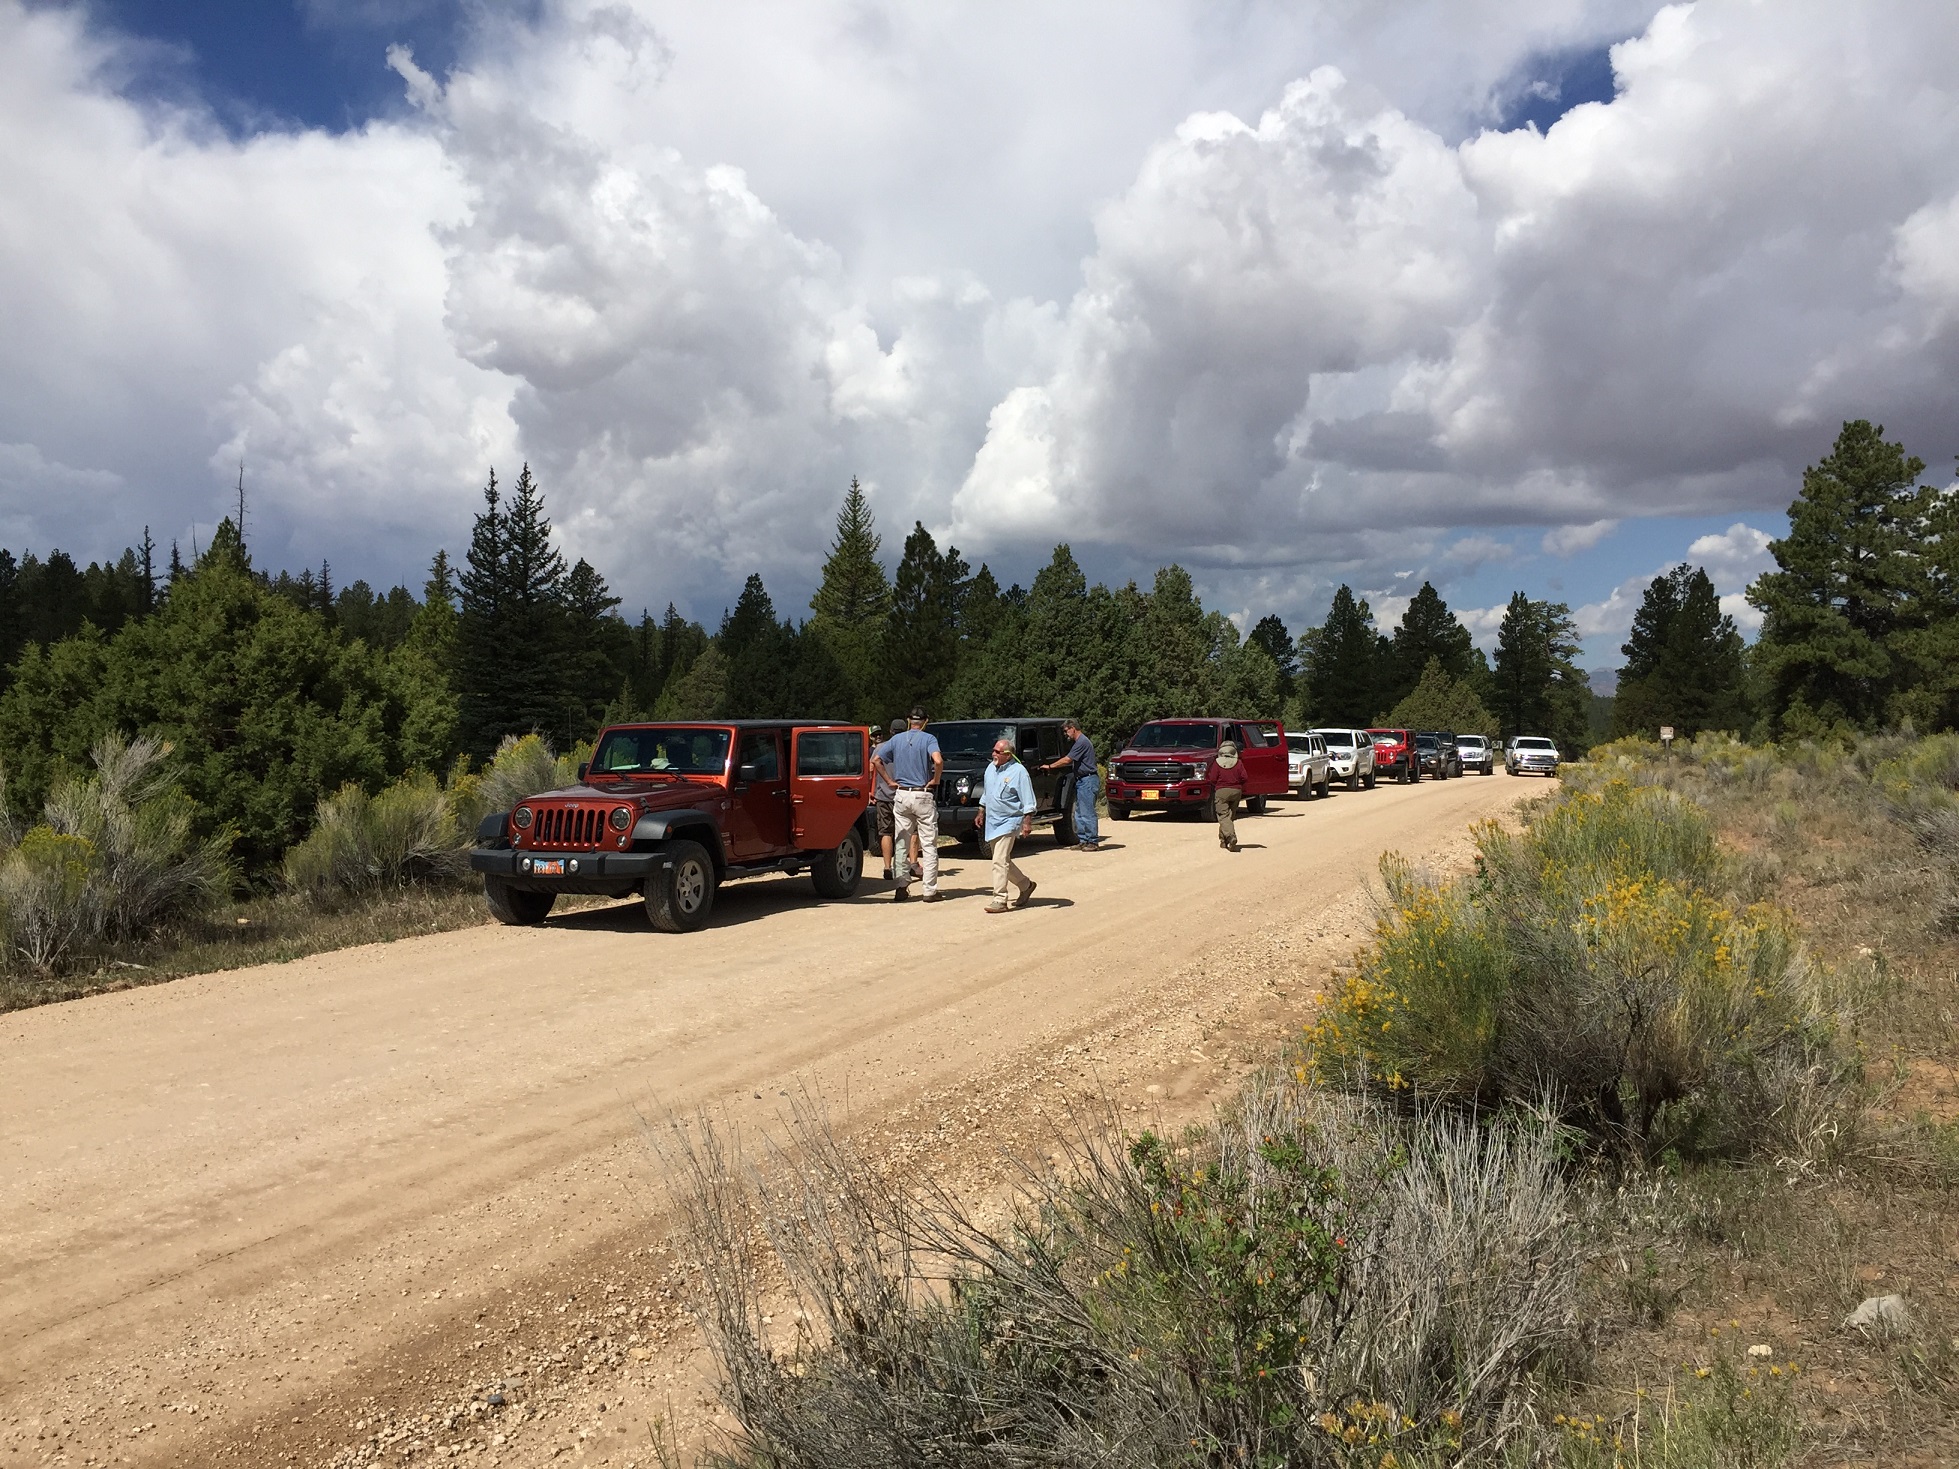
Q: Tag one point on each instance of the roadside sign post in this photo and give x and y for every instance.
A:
(1666, 739)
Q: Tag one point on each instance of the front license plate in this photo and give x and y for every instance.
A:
(1152, 795)
(552, 867)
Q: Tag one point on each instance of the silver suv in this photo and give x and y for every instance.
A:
(1530, 755)
(1306, 763)
(1349, 756)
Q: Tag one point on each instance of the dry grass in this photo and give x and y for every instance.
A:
(1697, 1265)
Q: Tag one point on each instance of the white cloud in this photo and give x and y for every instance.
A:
(1568, 540)
(1239, 286)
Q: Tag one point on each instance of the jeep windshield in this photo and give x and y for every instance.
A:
(661, 752)
(969, 739)
(1169, 736)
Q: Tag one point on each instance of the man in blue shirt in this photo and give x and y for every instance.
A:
(1081, 755)
(912, 763)
(1006, 814)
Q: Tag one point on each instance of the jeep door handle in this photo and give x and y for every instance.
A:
(848, 793)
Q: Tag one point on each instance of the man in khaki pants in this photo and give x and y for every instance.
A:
(1006, 814)
(1230, 790)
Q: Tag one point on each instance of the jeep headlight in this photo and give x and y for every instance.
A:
(963, 787)
(622, 817)
(521, 818)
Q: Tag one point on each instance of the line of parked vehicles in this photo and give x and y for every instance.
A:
(673, 810)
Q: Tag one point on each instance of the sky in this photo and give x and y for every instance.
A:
(1542, 298)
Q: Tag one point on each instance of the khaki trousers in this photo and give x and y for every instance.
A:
(916, 814)
(1228, 798)
(1005, 873)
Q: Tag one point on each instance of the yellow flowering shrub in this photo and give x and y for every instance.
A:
(1591, 961)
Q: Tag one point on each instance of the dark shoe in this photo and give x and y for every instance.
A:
(899, 895)
(887, 874)
(1028, 896)
(931, 897)
(1231, 847)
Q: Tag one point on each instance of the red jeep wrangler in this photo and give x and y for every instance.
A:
(1395, 754)
(1172, 763)
(674, 810)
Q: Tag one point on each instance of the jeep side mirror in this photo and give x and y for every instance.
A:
(583, 766)
(748, 774)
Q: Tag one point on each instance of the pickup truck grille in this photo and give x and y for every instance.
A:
(1154, 770)
(566, 826)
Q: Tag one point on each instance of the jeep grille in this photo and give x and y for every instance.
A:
(567, 826)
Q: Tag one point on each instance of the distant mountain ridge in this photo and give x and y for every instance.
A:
(1604, 681)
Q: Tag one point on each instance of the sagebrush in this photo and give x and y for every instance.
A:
(1313, 1280)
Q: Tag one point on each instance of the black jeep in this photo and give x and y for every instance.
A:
(967, 745)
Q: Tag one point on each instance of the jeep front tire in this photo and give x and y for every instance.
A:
(518, 907)
(681, 895)
(838, 871)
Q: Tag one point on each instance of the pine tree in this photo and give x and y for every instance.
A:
(1683, 661)
(149, 573)
(509, 638)
(1341, 674)
(921, 643)
(1271, 635)
(1539, 687)
(757, 651)
(1845, 613)
(1427, 630)
(1440, 702)
(852, 603)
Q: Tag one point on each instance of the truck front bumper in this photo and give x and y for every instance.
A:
(1169, 793)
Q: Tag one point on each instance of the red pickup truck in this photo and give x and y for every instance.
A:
(675, 810)
(1172, 764)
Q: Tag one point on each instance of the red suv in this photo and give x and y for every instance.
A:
(1173, 763)
(675, 810)
(1395, 754)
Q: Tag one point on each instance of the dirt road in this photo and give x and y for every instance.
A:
(248, 1216)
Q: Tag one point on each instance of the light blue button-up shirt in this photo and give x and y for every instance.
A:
(1008, 797)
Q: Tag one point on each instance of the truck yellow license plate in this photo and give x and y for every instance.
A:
(1152, 795)
(555, 867)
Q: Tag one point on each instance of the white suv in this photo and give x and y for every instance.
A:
(1306, 764)
(1350, 756)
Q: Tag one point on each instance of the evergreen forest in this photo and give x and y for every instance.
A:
(274, 689)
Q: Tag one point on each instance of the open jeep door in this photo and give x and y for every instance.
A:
(829, 784)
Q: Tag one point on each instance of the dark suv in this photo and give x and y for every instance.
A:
(967, 745)
(1439, 756)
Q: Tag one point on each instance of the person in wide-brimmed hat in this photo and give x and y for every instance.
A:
(1229, 791)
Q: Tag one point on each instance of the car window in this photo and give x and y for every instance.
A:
(829, 752)
(758, 749)
(662, 751)
(1528, 744)
(1342, 739)
(1176, 735)
(966, 738)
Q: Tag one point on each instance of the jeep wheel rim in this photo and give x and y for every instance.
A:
(847, 862)
(689, 887)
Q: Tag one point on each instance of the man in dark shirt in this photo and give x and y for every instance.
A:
(1081, 755)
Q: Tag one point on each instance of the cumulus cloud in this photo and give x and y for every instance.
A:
(1564, 328)
(1245, 287)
